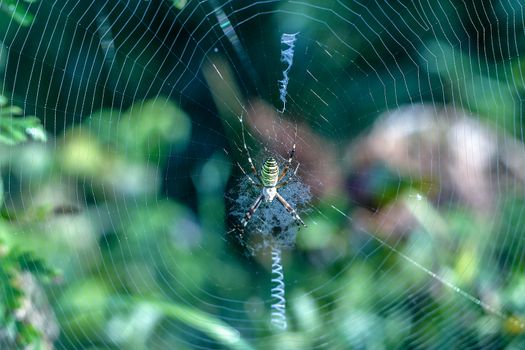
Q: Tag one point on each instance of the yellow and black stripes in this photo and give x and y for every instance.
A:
(269, 172)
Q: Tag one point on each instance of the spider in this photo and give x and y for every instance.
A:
(269, 181)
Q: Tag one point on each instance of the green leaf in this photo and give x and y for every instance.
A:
(27, 334)
(179, 4)
(36, 266)
(206, 323)
(3, 101)
(149, 128)
(11, 110)
(17, 12)
(17, 130)
(21, 333)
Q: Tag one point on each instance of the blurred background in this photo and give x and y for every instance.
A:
(121, 131)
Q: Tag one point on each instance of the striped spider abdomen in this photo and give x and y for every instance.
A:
(270, 172)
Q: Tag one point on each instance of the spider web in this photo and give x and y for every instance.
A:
(410, 170)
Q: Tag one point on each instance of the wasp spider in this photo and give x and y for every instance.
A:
(269, 180)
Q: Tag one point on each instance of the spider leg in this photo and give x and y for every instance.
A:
(251, 211)
(290, 210)
(254, 170)
(284, 183)
(290, 158)
(249, 177)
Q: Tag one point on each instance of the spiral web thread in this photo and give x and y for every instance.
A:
(278, 316)
(286, 57)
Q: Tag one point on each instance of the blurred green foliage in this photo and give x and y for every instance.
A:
(179, 4)
(14, 130)
(142, 270)
(18, 11)
(129, 262)
(14, 330)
